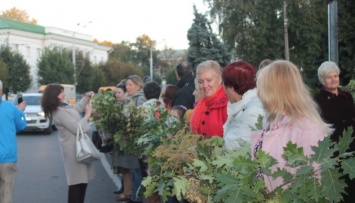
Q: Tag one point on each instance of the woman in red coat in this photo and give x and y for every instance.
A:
(210, 112)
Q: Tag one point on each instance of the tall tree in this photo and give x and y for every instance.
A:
(204, 44)
(115, 70)
(84, 74)
(346, 39)
(18, 15)
(19, 79)
(55, 66)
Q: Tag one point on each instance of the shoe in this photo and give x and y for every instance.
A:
(118, 191)
(122, 197)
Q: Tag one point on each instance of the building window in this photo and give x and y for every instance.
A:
(16, 47)
(95, 60)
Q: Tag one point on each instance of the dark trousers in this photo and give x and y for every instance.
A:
(76, 193)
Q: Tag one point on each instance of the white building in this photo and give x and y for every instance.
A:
(30, 40)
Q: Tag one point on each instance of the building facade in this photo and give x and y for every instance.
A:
(30, 41)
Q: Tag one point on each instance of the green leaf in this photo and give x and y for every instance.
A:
(349, 167)
(258, 124)
(287, 176)
(294, 155)
(180, 187)
(332, 185)
(345, 140)
(265, 161)
(324, 151)
(200, 164)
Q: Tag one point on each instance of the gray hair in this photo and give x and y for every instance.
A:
(0, 84)
(325, 69)
(209, 65)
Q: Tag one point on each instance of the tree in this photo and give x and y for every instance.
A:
(18, 15)
(115, 70)
(19, 79)
(4, 73)
(203, 44)
(346, 39)
(84, 74)
(55, 66)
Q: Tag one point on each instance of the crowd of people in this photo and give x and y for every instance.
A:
(216, 101)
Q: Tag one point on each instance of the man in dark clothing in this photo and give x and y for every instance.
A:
(186, 84)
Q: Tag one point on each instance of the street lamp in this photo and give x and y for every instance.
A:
(74, 54)
(151, 63)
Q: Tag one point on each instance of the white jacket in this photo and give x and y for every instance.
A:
(242, 117)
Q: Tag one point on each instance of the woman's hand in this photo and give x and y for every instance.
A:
(90, 95)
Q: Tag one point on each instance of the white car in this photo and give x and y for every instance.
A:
(36, 121)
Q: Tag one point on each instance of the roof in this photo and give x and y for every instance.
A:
(17, 25)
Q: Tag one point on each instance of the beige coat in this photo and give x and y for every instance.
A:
(67, 119)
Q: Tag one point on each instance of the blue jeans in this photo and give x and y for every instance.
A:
(136, 175)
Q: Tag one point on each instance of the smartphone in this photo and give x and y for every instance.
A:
(19, 99)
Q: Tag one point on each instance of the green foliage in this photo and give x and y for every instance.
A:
(115, 70)
(204, 44)
(4, 73)
(255, 31)
(84, 74)
(213, 175)
(18, 70)
(170, 77)
(122, 121)
(55, 66)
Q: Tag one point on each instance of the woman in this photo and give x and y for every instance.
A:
(337, 108)
(292, 115)
(122, 162)
(67, 119)
(244, 106)
(135, 96)
(168, 95)
(210, 112)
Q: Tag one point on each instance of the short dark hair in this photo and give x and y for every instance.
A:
(184, 69)
(152, 90)
(240, 75)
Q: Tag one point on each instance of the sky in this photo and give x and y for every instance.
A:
(165, 21)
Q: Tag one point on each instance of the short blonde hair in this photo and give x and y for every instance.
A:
(325, 69)
(209, 65)
(282, 91)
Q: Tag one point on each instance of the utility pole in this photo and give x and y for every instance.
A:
(151, 63)
(287, 51)
(333, 54)
(74, 54)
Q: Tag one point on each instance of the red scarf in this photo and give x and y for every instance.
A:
(217, 99)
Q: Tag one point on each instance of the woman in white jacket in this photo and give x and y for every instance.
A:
(244, 106)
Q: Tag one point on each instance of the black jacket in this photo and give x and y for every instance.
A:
(184, 95)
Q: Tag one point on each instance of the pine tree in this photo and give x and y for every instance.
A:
(204, 44)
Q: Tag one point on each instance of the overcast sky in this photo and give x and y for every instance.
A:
(165, 21)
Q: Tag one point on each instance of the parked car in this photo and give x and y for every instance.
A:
(36, 121)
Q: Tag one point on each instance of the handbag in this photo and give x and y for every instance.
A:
(86, 151)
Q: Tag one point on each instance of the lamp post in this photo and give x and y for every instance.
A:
(287, 53)
(151, 63)
(74, 54)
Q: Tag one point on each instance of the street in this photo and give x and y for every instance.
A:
(41, 176)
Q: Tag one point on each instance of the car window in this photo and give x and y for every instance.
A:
(32, 100)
